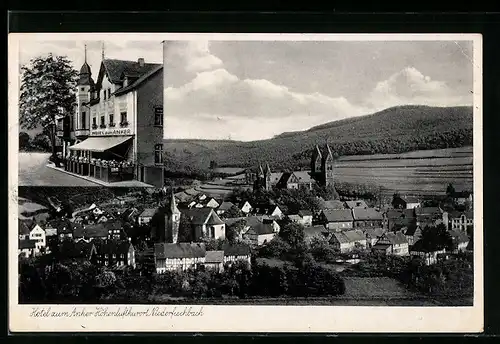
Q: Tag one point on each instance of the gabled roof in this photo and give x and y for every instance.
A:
(262, 228)
(356, 204)
(226, 205)
(26, 244)
(373, 233)
(315, 230)
(200, 216)
(395, 238)
(214, 256)
(236, 250)
(410, 230)
(179, 250)
(24, 228)
(148, 212)
(366, 214)
(305, 212)
(115, 69)
(349, 236)
(338, 215)
(459, 236)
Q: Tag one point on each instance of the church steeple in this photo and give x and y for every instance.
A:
(173, 204)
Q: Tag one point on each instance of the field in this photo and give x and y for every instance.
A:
(29, 209)
(418, 173)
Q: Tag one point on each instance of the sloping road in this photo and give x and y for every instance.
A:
(33, 171)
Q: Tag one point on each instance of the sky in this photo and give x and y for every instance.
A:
(252, 90)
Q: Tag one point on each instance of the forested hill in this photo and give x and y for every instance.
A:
(394, 130)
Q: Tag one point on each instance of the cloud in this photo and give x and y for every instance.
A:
(409, 86)
(195, 56)
(223, 105)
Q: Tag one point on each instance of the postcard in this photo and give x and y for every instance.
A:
(164, 182)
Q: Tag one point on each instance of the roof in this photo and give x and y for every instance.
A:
(236, 250)
(294, 217)
(140, 80)
(338, 215)
(179, 250)
(349, 236)
(303, 176)
(226, 205)
(200, 216)
(214, 256)
(459, 236)
(115, 69)
(410, 230)
(410, 199)
(381, 246)
(183, 197)
(428, 211)
(92, 231)
(314, 230)
(214, 219)
(373, 233)
(262, 228)
(276, 176)
(395, 238)
(356, 204)
(366, 214)
(457, 214)
(24, 228)
(113, 247)
(333, 204)
(400, 213)
(305, 212)
(26, 244)
(148, 212)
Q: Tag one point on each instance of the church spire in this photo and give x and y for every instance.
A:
(85, 52)
(102, 53)
(173, 204)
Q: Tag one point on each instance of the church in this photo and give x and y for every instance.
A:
(321, 173)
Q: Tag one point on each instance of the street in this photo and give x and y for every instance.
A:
(33, 171)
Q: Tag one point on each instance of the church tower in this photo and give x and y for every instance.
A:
(172, 221)
(316, 160)
(327, 167)
(85, 84)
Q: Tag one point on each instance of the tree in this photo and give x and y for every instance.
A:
(292, 233)
(232, 213)
(24, 140)
(42, 141)
(436, 238)
(450, 190)
(47, 91)
(186, 230)
(234, 230)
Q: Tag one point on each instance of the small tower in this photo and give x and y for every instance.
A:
(327, 167)
(172, 221)
(84, 85)
(316, 160)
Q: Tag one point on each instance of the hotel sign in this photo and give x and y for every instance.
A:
(111, 132)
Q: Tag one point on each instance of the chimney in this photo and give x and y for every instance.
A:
(141, 61)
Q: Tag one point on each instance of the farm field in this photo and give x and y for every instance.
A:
(417, 173)
(29, 210)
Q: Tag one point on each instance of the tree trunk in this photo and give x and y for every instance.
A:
(53, 141)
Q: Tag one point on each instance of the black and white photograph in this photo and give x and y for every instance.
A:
(156, 171)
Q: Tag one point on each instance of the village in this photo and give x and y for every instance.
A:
(157, 231)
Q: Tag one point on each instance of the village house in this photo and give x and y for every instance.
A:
(245, 207)
(214, 260)
(236, 252)
(260, 230)
(392, 244)
(460, 240)
(24, 229)
(429, 257)
(146, 216)
(112, 253)
(212, 203)
(348, 241)
(405, 202)
(206, 223)
(271, 210)
(318, 231)
(110, 230)
(366, 217)
(462, 196)
(356, 204)
(26, 248)
(372, 235)
(225, 206)
(413, 233)
(460, 220)
(295, 180)
(178, 256)
(337, 219)
(399, 218)
(430, 216)
(38, 234)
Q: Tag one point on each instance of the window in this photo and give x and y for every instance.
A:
(94, 122)
(123, 119)
(114, 256)
(111, 120)
(159, 116)
(109, 92)
(159, 153)
(104, 92)
(83, 89)
(82, 123)
(103, 124)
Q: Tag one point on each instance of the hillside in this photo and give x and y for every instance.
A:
(394, 130)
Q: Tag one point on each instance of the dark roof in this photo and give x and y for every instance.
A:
(381, 246)
(395, 238)
(179, 250)
(366, 214)
(113, 247)
(433, 211)
(214, 256)
(400, 213)
(139, 80)
(373, 233)
(459, 236)
(226, 206)
(349, 236)
(148, 212)
(410, 230)
(338, 215)
(262, 228)
(199, 216)
(315, 230)
(356, 204)
(92, 231)
(236, 250)
(410, 199)
(214, 219)
(115, 69)
(305, 212)
(24, 227)
(27, 243)
(456, 214)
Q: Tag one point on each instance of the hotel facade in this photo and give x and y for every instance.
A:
(116, 131)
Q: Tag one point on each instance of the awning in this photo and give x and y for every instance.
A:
(100, 144)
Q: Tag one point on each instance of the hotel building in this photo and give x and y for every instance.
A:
(116, 131)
